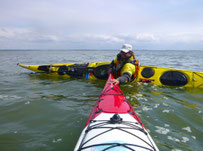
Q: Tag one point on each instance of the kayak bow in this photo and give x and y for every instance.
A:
(114, 125)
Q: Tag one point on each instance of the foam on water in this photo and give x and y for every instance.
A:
(166, 111)
(188, 129)
(162, 130)
(173, 139)
(58, 140)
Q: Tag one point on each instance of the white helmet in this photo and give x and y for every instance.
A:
(126, 48)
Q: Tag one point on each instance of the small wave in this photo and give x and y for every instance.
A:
(176, 149)
(165, 104)
(162, 130)
(127, 97)
(166, 125)
(185, 139)
(145, 108)
(173, 139)
(10, 96)
(28, 102)
(166, 111)
(188, 129)
(156, 105)
(165, 98)
(56, 140)
(139, 95)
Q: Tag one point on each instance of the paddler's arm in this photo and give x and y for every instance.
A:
(126, 77)
(126, 73)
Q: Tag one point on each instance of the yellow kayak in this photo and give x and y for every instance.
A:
(146, 74)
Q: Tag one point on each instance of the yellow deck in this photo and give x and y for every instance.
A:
(194, 78)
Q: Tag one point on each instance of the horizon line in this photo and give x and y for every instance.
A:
(70, 49)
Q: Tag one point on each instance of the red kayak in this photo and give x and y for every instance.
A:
(113, 125)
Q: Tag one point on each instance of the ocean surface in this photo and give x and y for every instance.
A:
(46, 114)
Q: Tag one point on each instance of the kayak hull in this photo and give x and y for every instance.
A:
(113, 125)
(99, 70)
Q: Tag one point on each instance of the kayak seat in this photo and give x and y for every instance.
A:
(174, 78)
(45, 68)
(101, 72)
(147, 72)
(74, 71)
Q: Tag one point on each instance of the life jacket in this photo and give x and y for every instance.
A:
(118, 65)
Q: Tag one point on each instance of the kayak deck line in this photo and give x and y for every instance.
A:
(114, 125)
(195, 80)
(126, 125)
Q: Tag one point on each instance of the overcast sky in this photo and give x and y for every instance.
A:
(101, 24)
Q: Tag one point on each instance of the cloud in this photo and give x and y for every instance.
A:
(25, 34)
(184, 37)
(12, 32)
(107, 38)
(157, 24)
(144, 40)
(12, 36)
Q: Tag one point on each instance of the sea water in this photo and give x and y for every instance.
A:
(41, 113)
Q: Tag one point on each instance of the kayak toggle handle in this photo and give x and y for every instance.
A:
(116, 119)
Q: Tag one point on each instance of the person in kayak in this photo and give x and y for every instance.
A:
(125, 67)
